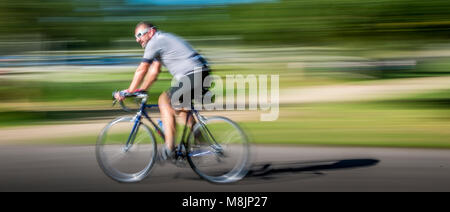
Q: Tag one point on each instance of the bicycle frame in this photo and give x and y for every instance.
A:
(142, 112)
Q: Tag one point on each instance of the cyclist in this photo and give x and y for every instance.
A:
(182, 61)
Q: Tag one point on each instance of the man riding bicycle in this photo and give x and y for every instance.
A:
(182, 61)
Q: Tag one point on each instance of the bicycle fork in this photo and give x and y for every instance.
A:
(134, 131)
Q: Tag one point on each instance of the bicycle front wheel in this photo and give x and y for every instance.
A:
(218, 150)
(124, 154)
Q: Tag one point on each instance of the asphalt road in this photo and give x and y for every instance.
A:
(275, 168)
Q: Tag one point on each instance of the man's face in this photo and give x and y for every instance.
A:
(143, 34)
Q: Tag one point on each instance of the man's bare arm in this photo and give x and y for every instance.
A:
(138, 76)
(141, 71)
(152, 75)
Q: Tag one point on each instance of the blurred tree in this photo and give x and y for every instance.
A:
(27, 16)
(274, 22)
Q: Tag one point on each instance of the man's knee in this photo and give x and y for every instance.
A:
(164, 104)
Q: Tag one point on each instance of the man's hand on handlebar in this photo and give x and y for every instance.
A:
(121, 95)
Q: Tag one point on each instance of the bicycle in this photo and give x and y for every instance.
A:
(128, 156)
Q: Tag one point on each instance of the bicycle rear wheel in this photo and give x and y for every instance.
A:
(218, 150)
(122, 162)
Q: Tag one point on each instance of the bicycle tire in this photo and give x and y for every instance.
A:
(199, 148)
(108, 142)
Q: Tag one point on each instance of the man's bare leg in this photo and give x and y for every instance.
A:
(183, 115)
(168, 119)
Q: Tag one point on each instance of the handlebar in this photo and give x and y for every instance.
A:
(139, 94)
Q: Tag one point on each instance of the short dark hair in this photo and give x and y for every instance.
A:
(147, 24)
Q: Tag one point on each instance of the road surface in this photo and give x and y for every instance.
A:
(275, 168)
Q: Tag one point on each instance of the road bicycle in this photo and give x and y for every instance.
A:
(216, 148)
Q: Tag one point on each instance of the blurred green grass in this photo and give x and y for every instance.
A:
(387, 124)
(368, 124)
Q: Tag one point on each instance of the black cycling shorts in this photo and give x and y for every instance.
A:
(180, 92)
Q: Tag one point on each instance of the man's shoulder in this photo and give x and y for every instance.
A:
(165, 39)
(152, 43)
(169, 36)
(159, 37)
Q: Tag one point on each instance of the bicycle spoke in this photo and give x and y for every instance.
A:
(126, 163)
(211, 159)
(116, 157)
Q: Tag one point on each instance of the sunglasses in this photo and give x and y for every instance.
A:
(143, 32)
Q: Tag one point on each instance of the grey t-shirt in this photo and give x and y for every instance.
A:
(174, 53)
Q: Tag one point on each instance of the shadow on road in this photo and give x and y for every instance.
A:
(263, 170)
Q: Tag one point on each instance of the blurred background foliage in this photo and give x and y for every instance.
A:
(99, 22)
